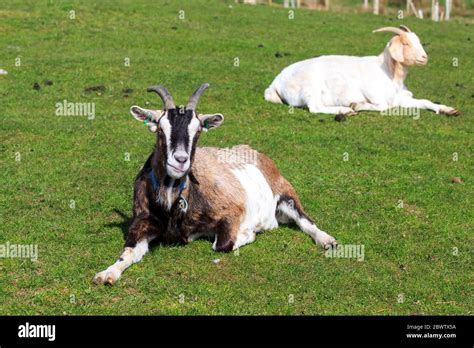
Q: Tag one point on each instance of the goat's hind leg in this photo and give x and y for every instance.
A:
(141, 233)
(315, 105)
(366, 106)
(289, 209)
(335, 110)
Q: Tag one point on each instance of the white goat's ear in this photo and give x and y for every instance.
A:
(396, 49)
(148, 117)
(210, 121)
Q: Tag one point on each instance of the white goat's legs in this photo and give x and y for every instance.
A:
(330, 110)
(287, 211)
(426, 104)
(366, 106)
(315, 105)
(128, 257)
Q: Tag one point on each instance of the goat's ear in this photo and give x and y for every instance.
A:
(148, 117)
(396, 49)
(211, 120)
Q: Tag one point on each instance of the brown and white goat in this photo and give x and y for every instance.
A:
(184, 192)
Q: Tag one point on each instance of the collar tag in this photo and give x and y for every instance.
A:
(183, 204)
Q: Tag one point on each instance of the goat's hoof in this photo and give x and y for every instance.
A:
(110, 279)
(105, 277)
(332, 245)
(326, 241)
(449, 111)
(453, 112)
(100, 278)
(353, 106)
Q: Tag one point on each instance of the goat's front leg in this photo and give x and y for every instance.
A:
(408, 102)
(140, 234)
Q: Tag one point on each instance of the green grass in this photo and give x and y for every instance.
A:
(408, 251)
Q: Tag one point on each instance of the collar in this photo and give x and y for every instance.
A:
(155, 183)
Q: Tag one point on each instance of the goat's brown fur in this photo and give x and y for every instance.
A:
(215, 193)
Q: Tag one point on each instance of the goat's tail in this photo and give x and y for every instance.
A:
(272, 96)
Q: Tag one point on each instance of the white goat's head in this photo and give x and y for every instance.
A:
(405, 47)
(177, 129)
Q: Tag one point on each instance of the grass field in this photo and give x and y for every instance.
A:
(67, 184)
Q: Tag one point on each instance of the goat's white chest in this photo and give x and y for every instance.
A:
(260, 203)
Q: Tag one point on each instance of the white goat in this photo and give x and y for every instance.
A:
(347, 84)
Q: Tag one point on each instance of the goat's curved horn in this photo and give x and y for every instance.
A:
(405, 28)
(164, 94)
(397, 31)
(193, 100)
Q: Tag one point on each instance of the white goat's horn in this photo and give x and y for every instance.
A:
(405, 28)
(397, 31)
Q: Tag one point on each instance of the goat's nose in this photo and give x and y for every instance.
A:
(424, 56)
(181, 158)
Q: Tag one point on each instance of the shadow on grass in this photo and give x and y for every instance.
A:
(124, 225)
(126, 221)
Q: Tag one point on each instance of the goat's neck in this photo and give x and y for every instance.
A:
(395, 70)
